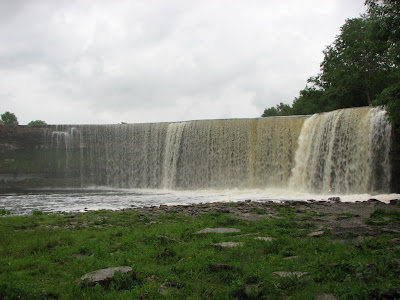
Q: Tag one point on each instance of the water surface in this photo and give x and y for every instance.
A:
(80, 200)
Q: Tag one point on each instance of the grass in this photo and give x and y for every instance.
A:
(43, 255)
(384, 217)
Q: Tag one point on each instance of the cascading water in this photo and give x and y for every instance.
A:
(343, 151)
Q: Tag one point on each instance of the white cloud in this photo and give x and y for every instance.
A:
(147, 61)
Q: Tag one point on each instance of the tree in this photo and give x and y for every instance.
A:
(356, 67)
(9, 119)
(37, 123)
(385, 17)
(310, 101)
(360, 68)
(390, 98)
(281, 109)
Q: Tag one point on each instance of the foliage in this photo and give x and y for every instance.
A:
(9, 119)
(360, 68)
(37, 123)
(280, 110)
(390, 98)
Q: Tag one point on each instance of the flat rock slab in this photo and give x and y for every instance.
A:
(291, 274)
(228, 244)
(104, 276)
(316, 234)
(264, 238)
(292, 257)
(218, 230)
(325, 297)
(356, 230)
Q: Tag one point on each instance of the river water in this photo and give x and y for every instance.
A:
(88, 199)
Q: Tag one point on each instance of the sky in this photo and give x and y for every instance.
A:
(141, 61)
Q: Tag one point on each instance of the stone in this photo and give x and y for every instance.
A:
(264, 238)
(316, 234)
(325, 297)
(291, 274)
(104, 276)
(394, 202)
(292, 257)
(334, 199)
(227, 244)
(356, 230)
(218, 230)
(372, 200)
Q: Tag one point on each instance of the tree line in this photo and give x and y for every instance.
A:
(9, 118)
(360, 68)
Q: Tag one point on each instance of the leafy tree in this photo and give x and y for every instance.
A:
(37, 123)
(356, 67)
(360, 68)
(281, 109)
(310, 101)
(385, 17)
(390, 98)
(270, 112)
(9, 119)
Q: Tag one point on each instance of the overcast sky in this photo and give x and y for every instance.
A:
(70, 62)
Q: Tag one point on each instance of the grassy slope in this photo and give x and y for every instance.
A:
(42, 256)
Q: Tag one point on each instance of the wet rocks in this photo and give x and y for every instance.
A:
(334, 199)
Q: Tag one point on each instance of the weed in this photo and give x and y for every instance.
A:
(383, 217)
(4, 212)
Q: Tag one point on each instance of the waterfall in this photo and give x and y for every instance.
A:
(344, 151)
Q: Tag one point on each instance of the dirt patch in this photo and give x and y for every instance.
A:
(339, 217)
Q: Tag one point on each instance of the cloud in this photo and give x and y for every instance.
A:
(147, 61)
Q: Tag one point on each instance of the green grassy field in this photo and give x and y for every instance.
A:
(42, 256)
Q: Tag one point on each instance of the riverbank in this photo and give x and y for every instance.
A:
(242, 250)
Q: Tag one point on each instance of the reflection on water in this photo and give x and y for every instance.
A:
(80, 200)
